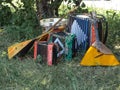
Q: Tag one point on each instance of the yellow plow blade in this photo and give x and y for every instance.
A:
(16, 48)
(94, 57)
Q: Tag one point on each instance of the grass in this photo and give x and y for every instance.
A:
(26, 74)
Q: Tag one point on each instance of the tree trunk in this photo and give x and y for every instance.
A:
(47, 8)
(39, 7)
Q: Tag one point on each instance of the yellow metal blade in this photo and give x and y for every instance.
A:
(93, 58)
(14, 49)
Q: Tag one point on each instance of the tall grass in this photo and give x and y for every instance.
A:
(26, 74)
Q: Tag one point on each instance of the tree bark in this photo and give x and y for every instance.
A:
(47, 8)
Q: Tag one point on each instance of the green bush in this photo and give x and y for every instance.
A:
(21, 24)
(5, 15)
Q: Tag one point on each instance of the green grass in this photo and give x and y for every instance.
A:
(28, 75)
(25, 74)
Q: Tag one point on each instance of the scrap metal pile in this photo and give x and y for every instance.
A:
(85, 34)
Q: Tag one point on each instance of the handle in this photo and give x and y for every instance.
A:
(106, 33)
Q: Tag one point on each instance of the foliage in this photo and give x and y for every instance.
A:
(21, 24)
(114, 32)
(5, 15)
